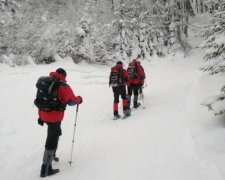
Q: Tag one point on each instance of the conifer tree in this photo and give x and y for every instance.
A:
(94, 30)
(214, 44)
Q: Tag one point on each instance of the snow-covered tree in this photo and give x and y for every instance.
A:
(80, 29)
(214, 35)
(124, 15)
(199, 6)
(214, 44)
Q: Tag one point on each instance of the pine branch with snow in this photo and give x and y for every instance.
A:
(214, 44)
(216, 103)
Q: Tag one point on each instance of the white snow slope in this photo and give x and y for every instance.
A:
(174, 138)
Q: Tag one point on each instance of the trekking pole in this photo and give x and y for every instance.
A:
(74, 130)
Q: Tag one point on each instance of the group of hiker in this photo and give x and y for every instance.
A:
(132, 79)
(54, 94)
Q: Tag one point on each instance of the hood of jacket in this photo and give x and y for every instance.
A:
(57, 75)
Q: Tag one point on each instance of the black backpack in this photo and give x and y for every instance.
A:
(132, 70)
(116, 77)
(47, 94)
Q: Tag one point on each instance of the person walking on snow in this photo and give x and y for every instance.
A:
(142, 80)
(53, 120)
(118, 80)
(136, 78)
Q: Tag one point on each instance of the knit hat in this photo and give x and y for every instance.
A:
(61, 71)
(119, 62)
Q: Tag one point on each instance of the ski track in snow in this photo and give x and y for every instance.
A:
(162, 142)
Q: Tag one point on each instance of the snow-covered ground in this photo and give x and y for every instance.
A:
(174, 138)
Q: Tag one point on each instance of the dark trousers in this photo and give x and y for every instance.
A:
(53, 133)
(117, 92)
(140, 89)
(133, 89)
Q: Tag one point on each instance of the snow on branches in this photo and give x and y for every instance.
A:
(214, 44)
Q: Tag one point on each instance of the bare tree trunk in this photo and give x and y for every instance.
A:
(201, 6)
(186, 20)
(122, 9)
(112, 5)
(178, 31)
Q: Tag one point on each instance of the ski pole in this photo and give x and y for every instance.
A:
(74, 130)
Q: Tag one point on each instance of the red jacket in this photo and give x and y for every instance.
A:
(142, 77)
(140, 74)
(66, 96)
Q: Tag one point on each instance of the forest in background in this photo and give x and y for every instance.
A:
(104, 31)
(96, 31)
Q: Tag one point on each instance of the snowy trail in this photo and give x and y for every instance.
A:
(174, 97)
(156, 143)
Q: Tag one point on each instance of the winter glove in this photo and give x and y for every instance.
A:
(40, 122)
(81, 100)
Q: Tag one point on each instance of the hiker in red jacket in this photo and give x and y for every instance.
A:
(53, 120)
(118, 80)
(136, 78)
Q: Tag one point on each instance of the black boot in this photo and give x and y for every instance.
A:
(127, 113)
(117, 116)
(52, 171)
(136, 105)
(46, 170)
